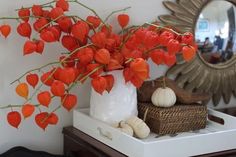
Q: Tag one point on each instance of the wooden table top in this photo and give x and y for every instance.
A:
(231, 111)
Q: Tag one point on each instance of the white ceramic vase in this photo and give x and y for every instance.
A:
(119, 104)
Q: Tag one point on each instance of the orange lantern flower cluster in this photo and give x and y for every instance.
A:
(93, 49)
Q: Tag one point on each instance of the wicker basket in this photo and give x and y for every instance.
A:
(179, 118)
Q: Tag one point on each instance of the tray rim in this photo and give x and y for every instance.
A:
(147, 147)
(210, 111)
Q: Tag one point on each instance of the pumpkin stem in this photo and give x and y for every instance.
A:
(164, 82)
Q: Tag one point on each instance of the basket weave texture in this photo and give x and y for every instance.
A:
(179, 118)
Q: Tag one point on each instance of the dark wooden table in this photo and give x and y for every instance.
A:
(79, 144)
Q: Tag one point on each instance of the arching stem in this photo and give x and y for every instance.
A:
(92, 10)
(90, 24)
(36, 69)
(17, 18)
(163, 27)
(53, 111)
(50, 23)
(129, 36)
(114, 12)
(52, 63)
(129, 60)
(15, 106)
(154, 48)
(83, 78)
(45, 4)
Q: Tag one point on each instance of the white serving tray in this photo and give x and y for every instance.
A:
(214, 138)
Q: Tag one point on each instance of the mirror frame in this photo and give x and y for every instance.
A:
(199, 75)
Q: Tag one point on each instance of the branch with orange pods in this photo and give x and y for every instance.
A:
(93, 49)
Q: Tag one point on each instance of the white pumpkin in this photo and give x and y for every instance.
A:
(141, 130)
(126, 128)
(163, 97)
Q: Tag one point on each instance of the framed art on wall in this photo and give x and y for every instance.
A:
(203, 25)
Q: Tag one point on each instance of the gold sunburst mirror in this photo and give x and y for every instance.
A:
(213, 22)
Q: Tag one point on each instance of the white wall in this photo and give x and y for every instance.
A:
(12, 64)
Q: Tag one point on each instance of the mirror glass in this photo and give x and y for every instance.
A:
(215, 31)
